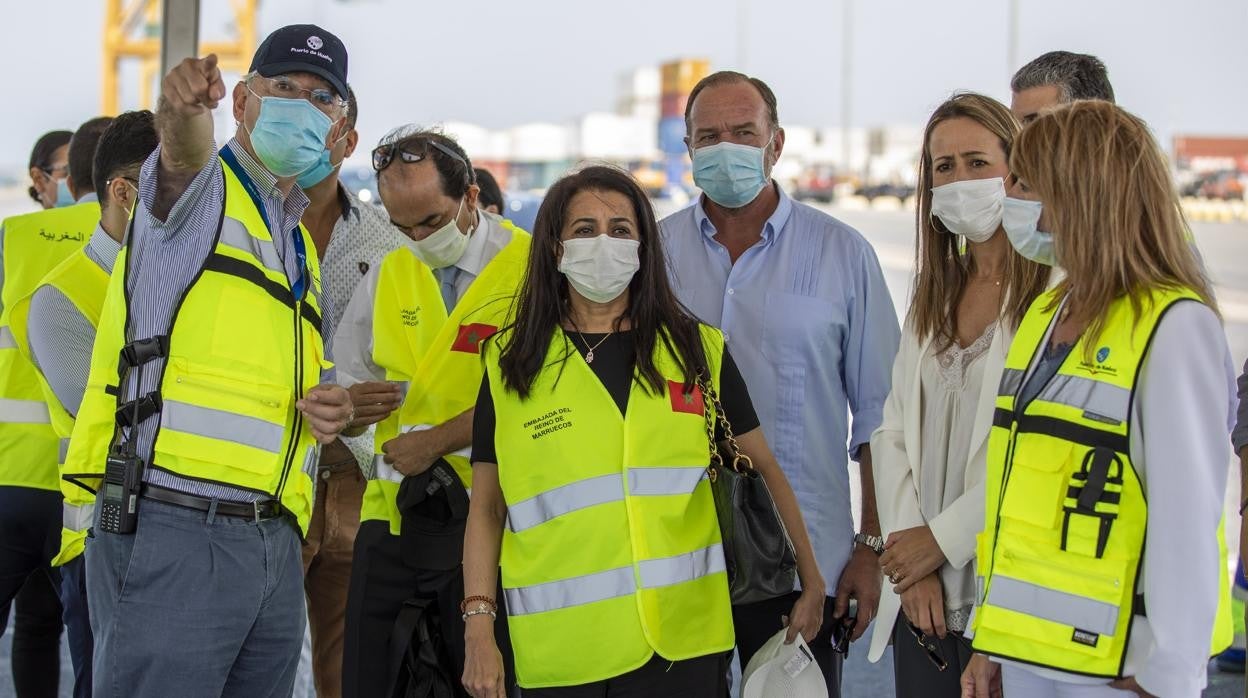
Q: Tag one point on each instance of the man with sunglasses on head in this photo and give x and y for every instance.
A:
(417, 321)
(210, 389)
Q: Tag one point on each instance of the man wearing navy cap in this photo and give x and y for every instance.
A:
(211, 390)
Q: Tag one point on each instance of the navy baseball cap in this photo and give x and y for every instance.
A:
(303, 48)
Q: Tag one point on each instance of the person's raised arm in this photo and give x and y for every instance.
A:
(189, 93)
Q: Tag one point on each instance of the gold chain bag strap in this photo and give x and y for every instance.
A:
(761, 562)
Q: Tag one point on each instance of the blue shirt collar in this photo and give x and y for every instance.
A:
(774, 223)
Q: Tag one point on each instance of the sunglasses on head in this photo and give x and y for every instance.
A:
(383, 155)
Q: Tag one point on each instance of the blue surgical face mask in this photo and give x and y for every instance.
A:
(322, 169)
(730, 174)
(1021, 220)
(63, 196)
(289, 135)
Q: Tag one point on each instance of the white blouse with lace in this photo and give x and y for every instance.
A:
(951, 379)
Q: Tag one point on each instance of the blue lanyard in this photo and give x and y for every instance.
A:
(301, 250)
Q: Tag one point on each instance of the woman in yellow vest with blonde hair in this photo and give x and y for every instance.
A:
(590, 446)
(1099, 567)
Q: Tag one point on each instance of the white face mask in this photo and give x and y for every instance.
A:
(1021, 221)
(601, 267)
(445, 246)
(971, 207)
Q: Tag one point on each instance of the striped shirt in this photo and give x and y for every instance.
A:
(60, 336)
(166, 257)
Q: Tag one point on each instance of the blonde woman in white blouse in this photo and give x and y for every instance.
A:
(971, 291)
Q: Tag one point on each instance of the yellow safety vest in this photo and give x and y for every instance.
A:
(84, 283)
(33, 244)
(1059, 558)
(611, 552)
(434, 356)
(242, 350)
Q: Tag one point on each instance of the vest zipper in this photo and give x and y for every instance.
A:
(996, 530)
(298, 423)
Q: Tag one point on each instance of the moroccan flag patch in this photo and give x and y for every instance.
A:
(685, 402)
(470, 337)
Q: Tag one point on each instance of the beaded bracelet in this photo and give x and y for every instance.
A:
(485, 600)
(480, 611)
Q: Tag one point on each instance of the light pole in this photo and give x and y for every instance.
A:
(847, 77)
(743, 18)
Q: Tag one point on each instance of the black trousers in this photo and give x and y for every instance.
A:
(30, 532)
(380, 583)
(757, 622)
(700, 677)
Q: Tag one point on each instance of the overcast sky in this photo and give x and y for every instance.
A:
(1183, 66)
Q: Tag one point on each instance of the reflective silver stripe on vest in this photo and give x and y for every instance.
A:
(223, 426)
(234, 235)
(7, 340)
(62, 451)
(78, 518)
(565, 500)
(1011, 382)
(384, 471)
(24, 412)
(1097, 397)
(1056, 606)
(682, 568)
(567, 593)
(660, 481)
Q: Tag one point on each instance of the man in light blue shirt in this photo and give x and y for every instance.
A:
(805, 311)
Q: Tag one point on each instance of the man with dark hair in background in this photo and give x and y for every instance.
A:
(1058, 77)
(54, 328)
(491, 197)
(30, 498)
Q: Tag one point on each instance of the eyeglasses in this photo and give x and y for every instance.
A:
(383, 155)
(58, 172)
(935, 654)
(284, 87)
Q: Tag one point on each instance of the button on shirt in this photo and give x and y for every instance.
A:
(357, 244)
(165, 257)
(810, 322)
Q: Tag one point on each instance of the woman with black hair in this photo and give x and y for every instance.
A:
(590, 445)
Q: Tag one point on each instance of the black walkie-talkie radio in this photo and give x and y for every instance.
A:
(123, 477)
(119, 500)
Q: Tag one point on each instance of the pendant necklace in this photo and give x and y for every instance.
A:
(589, 353)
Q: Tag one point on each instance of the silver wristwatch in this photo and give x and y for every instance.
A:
(875, 543)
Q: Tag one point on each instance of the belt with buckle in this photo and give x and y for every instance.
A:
(257, 511)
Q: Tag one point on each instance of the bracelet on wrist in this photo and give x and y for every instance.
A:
(480, 611)
(477, 601)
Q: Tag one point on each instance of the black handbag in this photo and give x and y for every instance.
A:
(761, 561)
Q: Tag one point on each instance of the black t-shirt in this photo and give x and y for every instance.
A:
(613, 364)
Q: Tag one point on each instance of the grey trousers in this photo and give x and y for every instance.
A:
(916, 675)
(196, 606)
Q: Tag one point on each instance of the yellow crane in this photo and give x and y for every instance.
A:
(132, 32)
